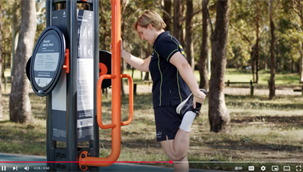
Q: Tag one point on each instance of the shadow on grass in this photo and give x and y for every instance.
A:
(291, 121)
(141, 101)
(133, 143)
(261, 102)
(258, 105)
(227, 143)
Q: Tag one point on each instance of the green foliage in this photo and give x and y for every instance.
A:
(241, 38)
(242, 33)
(41, 17)
(11, 11)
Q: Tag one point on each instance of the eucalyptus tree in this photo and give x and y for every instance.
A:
(19, 103)
(288, 37)
(14, 16)
(271, 82)
(296, 8)
(189, 46)
(204, 50)
(1, 64)
(178, 20)
(8, 10)
(219, 118)
(105, 25)
(167, 16)
(247, 26)
(41, 17)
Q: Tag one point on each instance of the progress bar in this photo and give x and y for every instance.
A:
(161, 162)
(134, 162)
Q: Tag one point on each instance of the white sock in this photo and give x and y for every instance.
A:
(187, 121)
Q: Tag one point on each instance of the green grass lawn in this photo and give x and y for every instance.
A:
(235, 75)
(284, 79)
(263, 132)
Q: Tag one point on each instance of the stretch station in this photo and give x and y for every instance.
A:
(69, 69)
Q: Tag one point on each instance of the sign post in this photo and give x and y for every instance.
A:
(71, 106)
(68, 68)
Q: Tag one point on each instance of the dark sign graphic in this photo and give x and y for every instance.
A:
(47, 61)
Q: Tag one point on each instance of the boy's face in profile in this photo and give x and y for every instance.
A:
(147, 33)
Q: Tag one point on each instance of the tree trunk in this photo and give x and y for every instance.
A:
(1, 63)
(253, 56)
(147, 53)
(271, 83)
(167, 15)
(178, 20)
(102, 21)
(219, 118)
(204, 49)
(301, 50)
(301, 61)
(14, 35)
(189, 46)
(257, 56)
(19, 104)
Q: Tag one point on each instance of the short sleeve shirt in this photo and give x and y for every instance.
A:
(169, 89)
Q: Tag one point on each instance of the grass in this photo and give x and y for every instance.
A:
(282, 78)
(235, 75)
(264, 132)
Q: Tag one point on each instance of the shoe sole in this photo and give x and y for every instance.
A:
(179, 107)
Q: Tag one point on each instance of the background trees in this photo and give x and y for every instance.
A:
(1, 61)
(244, 18)
(19, 104)
(204, 50)
(294, 9)
(271, 82)
(249, 44)
(218, 114)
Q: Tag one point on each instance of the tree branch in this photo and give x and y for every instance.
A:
(243, 35)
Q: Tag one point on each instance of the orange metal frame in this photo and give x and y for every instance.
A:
(84, 159)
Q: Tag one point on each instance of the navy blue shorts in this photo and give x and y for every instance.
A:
(167, 122)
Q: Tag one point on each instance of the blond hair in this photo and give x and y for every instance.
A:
(150, 17)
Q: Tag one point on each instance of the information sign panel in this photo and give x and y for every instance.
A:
(47, 61)
(85, 80)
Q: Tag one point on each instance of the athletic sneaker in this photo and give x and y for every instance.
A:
(187, 105)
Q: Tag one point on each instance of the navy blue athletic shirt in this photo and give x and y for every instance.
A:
(169, 88)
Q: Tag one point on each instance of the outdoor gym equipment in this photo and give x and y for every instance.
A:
(68, 68)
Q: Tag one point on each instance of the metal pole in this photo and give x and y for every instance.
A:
(50, 143)
(94, 144)
(71, 123)
(116, 71)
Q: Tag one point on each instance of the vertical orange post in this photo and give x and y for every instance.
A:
(84, 159)
(116, 81)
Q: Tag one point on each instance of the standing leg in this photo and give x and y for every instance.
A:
(176, 150)
(181, 166)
